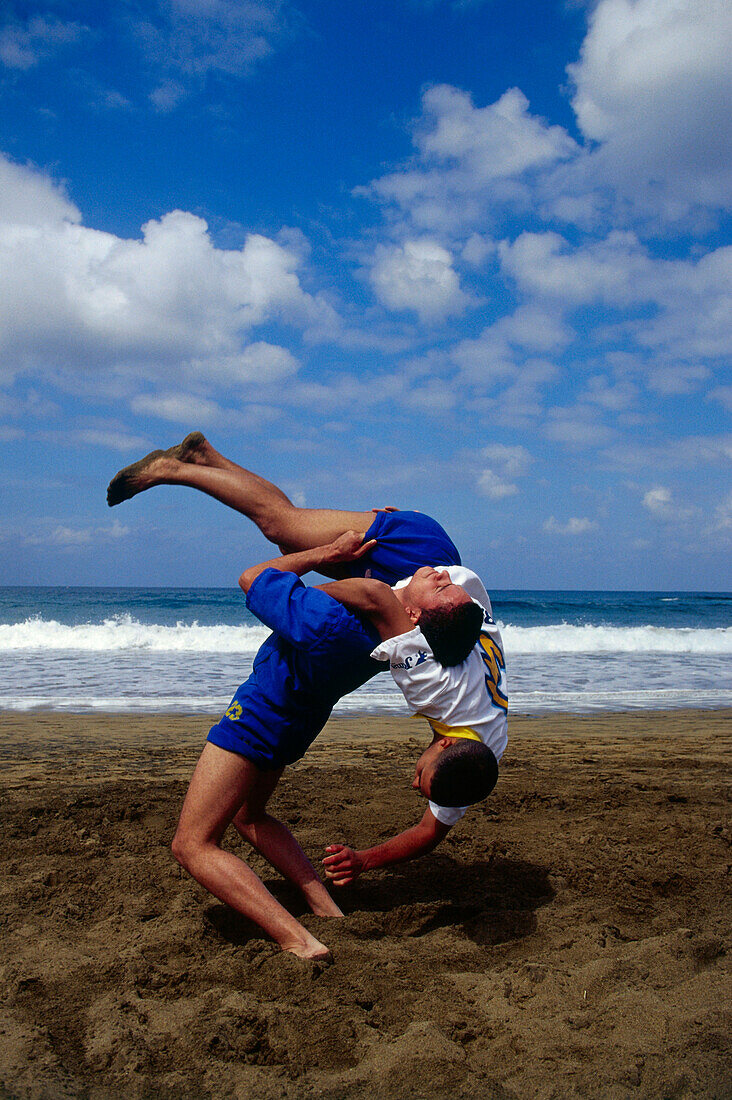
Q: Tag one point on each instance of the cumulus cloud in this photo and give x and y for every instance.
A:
(467, 157)
(653, 86)
(660, 503)
(417, 275)
(505, 462)
(651, 92)
(575, 525)
(169, 306)
(692, 298)
(28, 197)
(502, 348)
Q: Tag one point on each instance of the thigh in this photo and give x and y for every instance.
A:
(304, 528)
(223, 782)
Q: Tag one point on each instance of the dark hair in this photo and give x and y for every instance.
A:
(451, 631)
(465, 772)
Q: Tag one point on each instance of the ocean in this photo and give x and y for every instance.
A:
(186, 650)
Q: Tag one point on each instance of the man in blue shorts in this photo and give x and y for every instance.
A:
(319, 652)
(405, 541)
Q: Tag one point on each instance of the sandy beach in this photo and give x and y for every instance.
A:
(569, 939)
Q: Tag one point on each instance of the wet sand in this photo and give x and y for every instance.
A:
(570, 938)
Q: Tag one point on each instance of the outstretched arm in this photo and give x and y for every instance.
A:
(347, 547)
(375, 601)
(343, 864)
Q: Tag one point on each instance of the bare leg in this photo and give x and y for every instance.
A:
(196, 464)
(222, 784)
(273, 840)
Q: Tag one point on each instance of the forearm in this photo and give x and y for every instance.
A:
(410, 844)
(343, 864)
(302, 561)
(347, 547)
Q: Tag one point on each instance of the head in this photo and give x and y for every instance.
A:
(445, 613)
(456, 772)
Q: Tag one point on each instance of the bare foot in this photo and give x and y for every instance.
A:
(309, 948)
(325, 910)
(133, 479)
(195, 449)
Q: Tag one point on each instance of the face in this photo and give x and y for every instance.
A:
(425, 768)
(432, 588)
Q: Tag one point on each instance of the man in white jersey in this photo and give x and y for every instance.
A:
(466, 707)
(401, 543)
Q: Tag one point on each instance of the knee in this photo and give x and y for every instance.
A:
(247, 819)
(276, 521)
(183, 848)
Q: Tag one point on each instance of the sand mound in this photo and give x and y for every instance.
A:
(568, 940)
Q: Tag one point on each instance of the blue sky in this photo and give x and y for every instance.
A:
(461, 256)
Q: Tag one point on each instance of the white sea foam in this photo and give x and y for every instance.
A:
(563, 638)
(122, 633)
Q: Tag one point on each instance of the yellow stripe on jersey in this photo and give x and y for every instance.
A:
(494, 662)
(443, 730)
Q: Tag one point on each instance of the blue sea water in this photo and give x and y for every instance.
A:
(187, 649)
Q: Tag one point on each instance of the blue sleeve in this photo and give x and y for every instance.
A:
(300, 615)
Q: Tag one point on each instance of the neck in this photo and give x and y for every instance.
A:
(399, 593)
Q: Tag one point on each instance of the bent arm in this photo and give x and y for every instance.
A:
(342, 864)
(374, 600)
(347, 547)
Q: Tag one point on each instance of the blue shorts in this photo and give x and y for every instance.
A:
(318, 652)
(405, 542)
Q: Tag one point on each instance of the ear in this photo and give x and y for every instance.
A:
(413, 613)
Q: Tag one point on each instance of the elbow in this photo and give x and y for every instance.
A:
(246, 580)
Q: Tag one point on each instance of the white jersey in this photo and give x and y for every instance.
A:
(467, 700)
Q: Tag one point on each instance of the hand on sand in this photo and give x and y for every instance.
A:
(342, 865)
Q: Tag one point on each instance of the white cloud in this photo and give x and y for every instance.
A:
(676, 378)
(614, 397)
(723, 394)
(502, 347)
(512, 461)
(660, 503)
(78, 302)
(687, 452)
(30, 198)
(186, 41)
(615, 271)
(693, 299)
(417, 275)
(469, 157)
(24, 44)
(71, 537)
(575, 525)
(491, 485)
(653, 87)
(113, 440)
(576, 426)
(505, 462)
(182, 408)
(9, 434)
